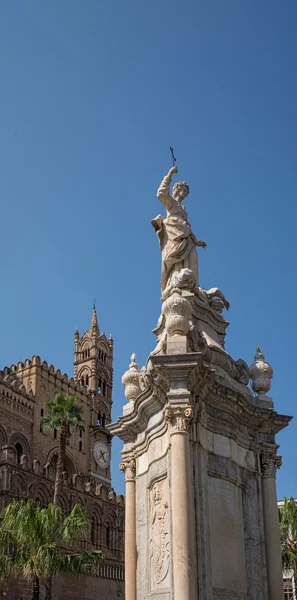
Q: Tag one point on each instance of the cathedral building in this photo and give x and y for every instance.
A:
(28, 456)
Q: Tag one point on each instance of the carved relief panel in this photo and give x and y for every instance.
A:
(159, 534)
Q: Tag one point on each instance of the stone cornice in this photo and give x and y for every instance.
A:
(221, 396)
(163, 370)
(128, 426)
(179, 375)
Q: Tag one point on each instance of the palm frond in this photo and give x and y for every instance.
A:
(33, 541)
(6, 538)
(20, 519)
(76, 526)
(82, 563)
(10, 565)
(63, 410)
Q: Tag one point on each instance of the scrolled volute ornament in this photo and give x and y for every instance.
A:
(128, 466)
(178, 418)
(162, 383)
(145, 380)
(242, 371)
(269, 465)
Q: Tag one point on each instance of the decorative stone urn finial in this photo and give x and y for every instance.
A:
(130, 380)
(133, 364)
(177, 311)
(260, 373)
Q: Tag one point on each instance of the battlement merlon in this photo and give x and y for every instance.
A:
(33, 372)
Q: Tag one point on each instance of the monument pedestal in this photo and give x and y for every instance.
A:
(201, 513)
(199, 452)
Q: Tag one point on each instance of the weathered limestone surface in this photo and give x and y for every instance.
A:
(203, 445)
(226, 523)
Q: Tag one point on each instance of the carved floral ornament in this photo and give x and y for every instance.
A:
(269, 464)
(128, 466)
(179, 418)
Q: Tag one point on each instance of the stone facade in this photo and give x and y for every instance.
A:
(200, 455)
(28, 454)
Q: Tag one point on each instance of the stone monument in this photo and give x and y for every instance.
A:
(199, 454)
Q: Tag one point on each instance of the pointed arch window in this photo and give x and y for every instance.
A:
(41, 417)
(19, 452)
(108, 536)
(99, 385)
(93, 531)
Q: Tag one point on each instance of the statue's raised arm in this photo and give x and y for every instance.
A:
(163, 192)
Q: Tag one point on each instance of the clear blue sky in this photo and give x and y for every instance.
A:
(92, 95)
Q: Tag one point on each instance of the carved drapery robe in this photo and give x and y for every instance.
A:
(176, 239)
(159, 540)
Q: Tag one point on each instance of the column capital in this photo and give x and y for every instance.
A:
(269, 464)
(179, 418)
(128, 466)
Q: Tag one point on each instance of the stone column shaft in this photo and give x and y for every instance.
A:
(271, 528)
(182, 506)
(128, 466)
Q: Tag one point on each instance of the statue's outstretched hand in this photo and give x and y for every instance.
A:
(202, 244)
(172, 171)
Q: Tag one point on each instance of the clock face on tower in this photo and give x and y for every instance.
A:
(101, 454)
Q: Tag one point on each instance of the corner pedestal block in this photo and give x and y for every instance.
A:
(200, 461)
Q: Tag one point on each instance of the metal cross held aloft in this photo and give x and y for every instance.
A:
(172, 154)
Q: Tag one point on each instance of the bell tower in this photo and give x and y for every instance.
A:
(93, 359)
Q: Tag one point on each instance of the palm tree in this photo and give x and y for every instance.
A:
(288, 527)
(37, 543)
(63, 414)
